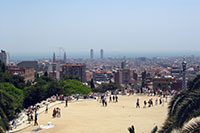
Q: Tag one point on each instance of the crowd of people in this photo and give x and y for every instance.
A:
(103, 98)
(150, 102)
(31, 110)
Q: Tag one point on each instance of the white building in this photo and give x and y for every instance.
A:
(4, 57)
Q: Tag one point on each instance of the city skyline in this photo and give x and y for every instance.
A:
(41, 27)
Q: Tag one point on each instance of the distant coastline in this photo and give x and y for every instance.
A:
(36, 56)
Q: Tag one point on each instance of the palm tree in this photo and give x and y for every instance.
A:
(183, 107)
(154, 129)
(131, 129)
(192, 128)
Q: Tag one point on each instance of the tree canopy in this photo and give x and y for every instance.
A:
(11, 102)
(16, 95)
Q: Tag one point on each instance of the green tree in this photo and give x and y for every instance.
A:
(154, 129)
(74, 77)
(5, 101)
(110, 86)
(69, 87)
(34, 94)
(192, 128)
(11, 100)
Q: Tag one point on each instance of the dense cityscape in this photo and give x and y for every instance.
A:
(152, 73)
(142, 75)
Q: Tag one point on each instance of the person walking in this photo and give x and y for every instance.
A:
(138, 103)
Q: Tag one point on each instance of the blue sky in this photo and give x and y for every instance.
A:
(121, 26)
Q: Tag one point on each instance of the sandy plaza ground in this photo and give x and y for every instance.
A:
(88, 116)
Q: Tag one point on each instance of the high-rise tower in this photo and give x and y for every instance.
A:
(91, 54)
(184, 82)
(54, 57)
(4, 57)
(101, 53)
(65, 58)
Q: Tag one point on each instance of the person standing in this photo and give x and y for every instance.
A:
(138, 103)
(110, 98)
(105, 102)
(156, 102)
(66, 102)
(54, 112)
(113, 98)
(116, 97)
(36, 116)
(145, 103)
(31, 116)
(46, 108)
(163, 101)
(160, 101)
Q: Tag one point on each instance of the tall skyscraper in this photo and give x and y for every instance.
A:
(65, 58)
(101, 53)
(91, 54)
(54, 57)
(184, 82)
(4, 57)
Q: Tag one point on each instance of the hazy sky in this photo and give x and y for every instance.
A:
(42, 26)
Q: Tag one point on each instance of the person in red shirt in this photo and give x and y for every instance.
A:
(54, 112)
